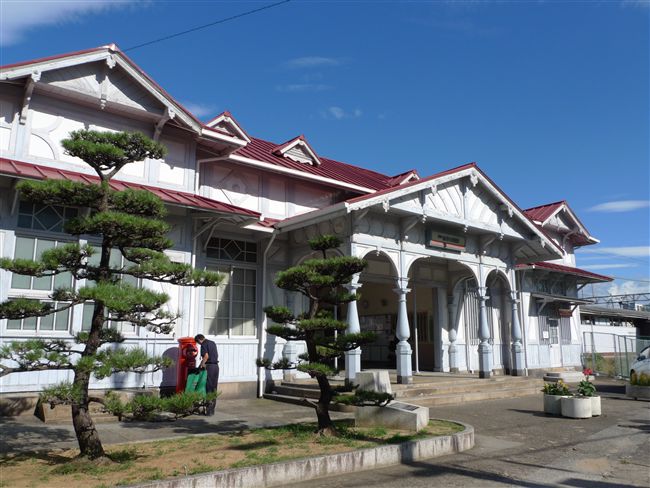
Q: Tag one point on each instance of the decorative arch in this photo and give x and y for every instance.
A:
(498, 273)
(394, 265)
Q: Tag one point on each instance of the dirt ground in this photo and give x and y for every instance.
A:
(190, 455)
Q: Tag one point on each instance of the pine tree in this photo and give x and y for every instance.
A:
(129, 221)
(322, 281)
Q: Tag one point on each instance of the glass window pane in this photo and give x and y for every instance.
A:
(61, 320)
(29, 323)
(249, 293)
(250, 277)
(25, 221)
(13, 324)
(63, 280)
(238, 309)
(238, 293)
(43, 245)
(249, 327)
(115, 260)
(237, 327)
(211, 293)
(238, 276)
(42, 283)
(47, 322)
(49, 218)
(210, 309)
(24, 248)
(87, 316)
(249, 310)
(223, 310)
(21, 282)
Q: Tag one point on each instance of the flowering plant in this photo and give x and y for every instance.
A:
(559, 388)
(586, 387)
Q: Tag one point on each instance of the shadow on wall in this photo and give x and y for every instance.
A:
(168, 384)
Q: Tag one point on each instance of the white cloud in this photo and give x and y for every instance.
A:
(338, 113)
(609, 266)
(303, 87)
(18, 17)
(312, 62)
(620, 206)
(200, 109)
(618, 287)
(629, 251)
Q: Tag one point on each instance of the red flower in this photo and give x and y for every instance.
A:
(587, 372)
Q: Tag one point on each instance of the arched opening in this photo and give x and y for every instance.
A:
(377, 309)
(499, 316)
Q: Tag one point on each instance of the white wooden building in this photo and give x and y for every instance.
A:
(464, 278)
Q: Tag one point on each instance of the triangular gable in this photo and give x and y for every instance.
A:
(561, 218)
(297, 149)
(226, 122)
(475, 177)
(403, 178)
(112, 57)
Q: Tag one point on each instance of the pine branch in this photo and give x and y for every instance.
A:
(36, 355)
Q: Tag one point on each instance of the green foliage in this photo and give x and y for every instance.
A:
(599, 363)
(280, 315)
(64, 393)
(61, 192)
(315, 369)
(558, 388)
(149, 407)
(323, 243)
(137, 202)
(110, 151)
(20, 308)
(586, 388)
(111, 361)
(362, 398)
(36, 355)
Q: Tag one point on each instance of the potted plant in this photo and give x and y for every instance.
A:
(553, 393)
(639, 386)
(587, 389)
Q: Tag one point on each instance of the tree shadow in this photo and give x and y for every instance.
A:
(592, 483)
(21, 438)
(534, 413)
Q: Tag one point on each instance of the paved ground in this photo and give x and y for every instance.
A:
(516, 444)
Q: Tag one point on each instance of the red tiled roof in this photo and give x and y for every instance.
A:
(560, 268)
(543, 212)
(262, 150)
(397, 179)
(173, 197)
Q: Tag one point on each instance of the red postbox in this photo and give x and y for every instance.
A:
(187, 352)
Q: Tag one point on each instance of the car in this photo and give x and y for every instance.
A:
(642, 363)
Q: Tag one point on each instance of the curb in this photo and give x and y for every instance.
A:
(282, 473)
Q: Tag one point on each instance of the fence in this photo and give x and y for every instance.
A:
(611, 354)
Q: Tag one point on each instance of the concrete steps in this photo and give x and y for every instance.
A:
(441, 390)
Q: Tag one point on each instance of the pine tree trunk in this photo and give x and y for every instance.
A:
(325, 425)
(90, 446)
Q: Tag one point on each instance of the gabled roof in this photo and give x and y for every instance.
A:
(406, 177)
(543, 214)
(356, 178)
(32, 171)
(560, 268)
(113, 56)
(226, 122)
(305, 152)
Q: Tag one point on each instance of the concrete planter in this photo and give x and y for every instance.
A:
(595, 406)
(552, 404)
(637, 392)
(576, 407)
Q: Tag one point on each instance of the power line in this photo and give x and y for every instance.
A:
(205, 26)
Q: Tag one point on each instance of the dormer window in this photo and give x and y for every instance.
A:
(299, 150)
(227, 124)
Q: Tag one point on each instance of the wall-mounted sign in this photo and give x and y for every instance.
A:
(445, 240)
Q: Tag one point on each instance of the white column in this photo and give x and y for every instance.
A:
(353, 357)
(452, 305)
(403, 350)
(484, 347)
(517, 349)
(441, 322)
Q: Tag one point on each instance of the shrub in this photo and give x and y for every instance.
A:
(559, 388)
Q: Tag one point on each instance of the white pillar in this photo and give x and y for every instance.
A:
(353, 357)
(484, 347)
(517, 348)
(440, 323)
(403, 350)
(452, 305)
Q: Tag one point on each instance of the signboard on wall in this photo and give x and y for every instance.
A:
(444, 239)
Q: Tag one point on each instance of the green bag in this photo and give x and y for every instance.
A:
(196, 382)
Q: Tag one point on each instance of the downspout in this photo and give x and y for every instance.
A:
(262, 335)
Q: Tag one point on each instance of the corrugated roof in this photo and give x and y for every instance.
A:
(560, 268)
(35, 171)
(262, 150)
(543, 212)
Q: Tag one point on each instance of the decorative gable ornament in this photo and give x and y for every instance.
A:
(298, 150)
(226, 123)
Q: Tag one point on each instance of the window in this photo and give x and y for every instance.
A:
(37, 216)
(231, 250)
(32, 248)
(229, 309)
(58, 321)
(87, 316)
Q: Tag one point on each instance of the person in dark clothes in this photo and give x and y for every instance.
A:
(209, 361)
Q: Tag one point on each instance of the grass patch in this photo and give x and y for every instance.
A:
(197, 454)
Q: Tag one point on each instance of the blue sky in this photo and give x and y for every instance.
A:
(551, 99)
